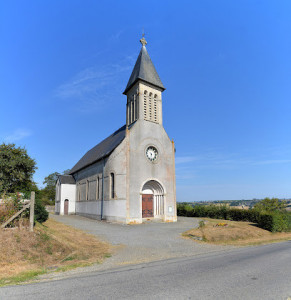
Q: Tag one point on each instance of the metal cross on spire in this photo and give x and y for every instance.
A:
(143, 40)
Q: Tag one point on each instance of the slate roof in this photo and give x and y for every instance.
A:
(101, 150)
(144, 70)
(66, 179)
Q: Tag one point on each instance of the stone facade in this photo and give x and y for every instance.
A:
(137, 160)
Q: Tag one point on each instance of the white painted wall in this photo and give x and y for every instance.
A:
(68, 191)
(113, 210)
(63, 192)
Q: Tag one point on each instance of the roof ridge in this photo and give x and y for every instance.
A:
(101, 150)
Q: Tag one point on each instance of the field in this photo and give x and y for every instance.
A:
(222, 232)
(52, 246)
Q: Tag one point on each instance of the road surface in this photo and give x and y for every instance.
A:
(262, 272)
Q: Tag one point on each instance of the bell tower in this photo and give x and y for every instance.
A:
(144, 91)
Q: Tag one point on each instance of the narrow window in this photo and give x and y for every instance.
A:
(145, 105)
(79, 192)
(97, 188)
(128, 112)
(112, 185)
(87, 190)
(150, 106)
(155, 109)
(132, 110)
(134, 107)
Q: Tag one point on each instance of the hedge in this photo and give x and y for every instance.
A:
(288, 217)
(275, 221)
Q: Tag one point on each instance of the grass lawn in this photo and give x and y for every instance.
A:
(52, 246)
(224, 232)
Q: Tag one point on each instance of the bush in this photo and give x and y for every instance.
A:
(274, 222)
(201, 224)
(184, 210)
(288, 217)
(40, 213)
(249, 215)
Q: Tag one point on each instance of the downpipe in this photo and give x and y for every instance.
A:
(102, 202)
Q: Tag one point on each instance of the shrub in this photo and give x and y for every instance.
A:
(181, 209)
(40, 213)
(273, 221)
(201, 224)
(199, 211)
(184, 210)
(243, 215)
(288, 217)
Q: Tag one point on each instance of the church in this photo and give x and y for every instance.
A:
(129, 177)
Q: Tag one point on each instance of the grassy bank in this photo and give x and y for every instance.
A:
(52, 246)
(224, 232)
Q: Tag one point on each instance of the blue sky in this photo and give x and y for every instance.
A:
(226, 66)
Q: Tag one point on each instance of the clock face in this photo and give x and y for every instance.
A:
(152, 153)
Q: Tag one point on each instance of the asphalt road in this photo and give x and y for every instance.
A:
(262, 272)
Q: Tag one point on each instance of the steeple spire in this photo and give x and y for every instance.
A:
(144, 70)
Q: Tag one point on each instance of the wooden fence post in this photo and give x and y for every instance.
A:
(31, 213)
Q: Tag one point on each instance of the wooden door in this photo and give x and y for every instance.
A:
(147, 206)
(66, 207)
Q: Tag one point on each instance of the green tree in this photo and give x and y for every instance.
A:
(269, 205)
(47, 194)
(49, 191)
(16, 169)
(50, 180)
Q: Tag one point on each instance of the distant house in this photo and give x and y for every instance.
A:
(130, 176)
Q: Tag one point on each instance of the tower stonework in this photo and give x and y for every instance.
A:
(144, 90)
(144, 101)
(151, 159)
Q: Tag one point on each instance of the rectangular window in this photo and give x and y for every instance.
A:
(78, 192)
(87, 190)
(92, 190)
(97, 188)
(82, 191)
(132, 111)
(136, 107)
(112, 183)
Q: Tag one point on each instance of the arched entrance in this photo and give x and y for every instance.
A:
(152, 199)
(66, 207)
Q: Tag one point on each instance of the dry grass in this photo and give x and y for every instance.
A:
(235, 233)
(52, 245)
